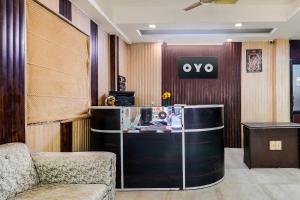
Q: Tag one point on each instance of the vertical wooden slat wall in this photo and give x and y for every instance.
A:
(12, 71)
(43, 137)
(282, 81)
(144, 73)
(81, 135)
(226, 89)
(257, 88)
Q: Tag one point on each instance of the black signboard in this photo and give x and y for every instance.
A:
(197, 67)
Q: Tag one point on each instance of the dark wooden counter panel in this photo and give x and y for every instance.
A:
(106, 119)
(204, 157)
(187, 158)
(108, 142)
(199, 118)
(152, 160)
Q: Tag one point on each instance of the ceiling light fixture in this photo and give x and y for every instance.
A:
(229, 40)
(152, 26)
(238, 25)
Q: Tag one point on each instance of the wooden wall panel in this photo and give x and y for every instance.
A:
(282, 81)
(104, 67)
(12, 71)
(73, 135)
(114, 61)
(257, 88)
(224, 90)
(66, 136)
(144, 73)
(81, 135)
(65, 9)
(43, 137)
(94, 63)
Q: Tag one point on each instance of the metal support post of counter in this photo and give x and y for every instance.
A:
(190, 156)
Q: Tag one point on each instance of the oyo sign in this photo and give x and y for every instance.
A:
(197, 67)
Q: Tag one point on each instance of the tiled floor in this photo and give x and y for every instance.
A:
(240, 183)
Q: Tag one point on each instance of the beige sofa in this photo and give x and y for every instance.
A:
(55, 176)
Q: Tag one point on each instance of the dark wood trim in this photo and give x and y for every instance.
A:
(114, 60)
(65, 9)
(94, 63)
(294, 59)
(12, 71)
(292, 112)
(294, 49)
(66, 134)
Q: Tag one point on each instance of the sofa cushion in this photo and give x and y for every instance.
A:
(75, 168)
(65, 192)
(17, 171)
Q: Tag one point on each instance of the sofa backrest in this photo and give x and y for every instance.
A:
(17, 171)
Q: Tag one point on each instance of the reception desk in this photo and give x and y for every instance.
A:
(184, 150)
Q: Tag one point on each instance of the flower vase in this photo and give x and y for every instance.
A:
(166, 102)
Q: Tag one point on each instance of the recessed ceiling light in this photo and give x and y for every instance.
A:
(238, 25)
(152, 26)
(229, 40)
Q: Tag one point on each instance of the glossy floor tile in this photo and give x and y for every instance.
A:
(239, 183)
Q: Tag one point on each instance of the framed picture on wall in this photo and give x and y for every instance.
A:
(254, 60)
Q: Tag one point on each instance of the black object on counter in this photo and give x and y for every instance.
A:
(121, 83)
(123, 98)
(146, 116)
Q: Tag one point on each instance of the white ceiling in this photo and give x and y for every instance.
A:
(125, 17)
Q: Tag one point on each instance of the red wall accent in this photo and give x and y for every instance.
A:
(12, 71)
(224, 90)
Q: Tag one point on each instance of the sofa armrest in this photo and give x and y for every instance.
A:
(76, 168)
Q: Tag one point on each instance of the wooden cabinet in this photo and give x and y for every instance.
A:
(271, 145)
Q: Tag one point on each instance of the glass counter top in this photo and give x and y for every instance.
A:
(152, 119)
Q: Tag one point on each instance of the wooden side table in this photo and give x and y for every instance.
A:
(271, 145)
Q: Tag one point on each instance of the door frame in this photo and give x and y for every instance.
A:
(292, 62)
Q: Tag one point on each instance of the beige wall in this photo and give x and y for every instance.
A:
(265, 96)
(144, 73)
(51, 4)
(123, 57)
(257, 88)
(43, 137)
(80, 20)
(104, 68)
(282, 81)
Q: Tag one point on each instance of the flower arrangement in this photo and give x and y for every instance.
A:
(166, 97)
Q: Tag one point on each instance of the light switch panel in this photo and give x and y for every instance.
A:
(275, 145)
